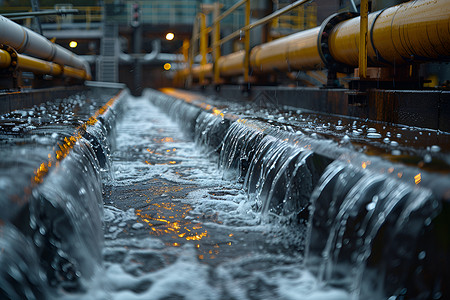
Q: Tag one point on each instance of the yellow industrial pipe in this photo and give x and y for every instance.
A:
(39, 66)
(76, 73)
(26, 41)
(5, 59)
(231, 64)
(297, 52)
(415, 31)
(412, 31)
(203, 70)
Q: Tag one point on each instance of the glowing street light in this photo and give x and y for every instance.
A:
(73, 44)
(170, 36)
(167, 66)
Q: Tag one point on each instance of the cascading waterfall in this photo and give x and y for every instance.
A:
(372, 229)
(278, 168)
(51, 231)
(366, 224)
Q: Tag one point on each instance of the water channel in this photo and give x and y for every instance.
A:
(162, 198)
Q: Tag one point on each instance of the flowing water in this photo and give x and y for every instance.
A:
(204, 202)
(176, 229)
(52, 156)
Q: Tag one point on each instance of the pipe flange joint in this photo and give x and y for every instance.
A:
(322, 40)
(13, 54)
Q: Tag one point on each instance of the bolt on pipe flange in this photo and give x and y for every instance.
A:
(322, 40)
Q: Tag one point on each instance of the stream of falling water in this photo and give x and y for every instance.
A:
(175, 229)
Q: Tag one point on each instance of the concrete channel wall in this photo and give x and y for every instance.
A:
(303, 179)
(51, 227)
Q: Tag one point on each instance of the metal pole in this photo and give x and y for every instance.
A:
(364, 8)
(137, 47)
(203, 45)
(36, 20)
(247, 42)
(216, 38)
(186, 46)
(48, 12)
(192, 51)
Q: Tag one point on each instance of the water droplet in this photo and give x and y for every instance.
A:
(435, 148)
(42, 230)
(371, 130)
(373, 135)
(422, 255)
(370, 206)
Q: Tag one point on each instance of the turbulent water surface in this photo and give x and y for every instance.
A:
(175, 229)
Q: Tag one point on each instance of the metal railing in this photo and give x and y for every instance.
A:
(300, 18)
(167, 12)
(87, 15)
(170, 12)
(200, 34)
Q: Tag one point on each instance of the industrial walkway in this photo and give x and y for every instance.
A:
(175, 230)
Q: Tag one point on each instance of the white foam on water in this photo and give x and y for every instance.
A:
(146, 268)
(117, 217)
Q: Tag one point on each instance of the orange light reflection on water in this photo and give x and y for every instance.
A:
(164, 140)
(418, 178)
(68, 144)
(169, 218)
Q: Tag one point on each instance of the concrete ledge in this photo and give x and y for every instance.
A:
(419, 108)
(10, 101)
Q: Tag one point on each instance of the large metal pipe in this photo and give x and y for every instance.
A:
(295, 52)
(415, 31)
(31, 43)
(38, 66)
(5, 59)
(204, 70)
(231, 64)
(42, 67)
